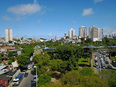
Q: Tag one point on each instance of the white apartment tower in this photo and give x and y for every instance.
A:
(71, 33)
(56, 38)
(83, 32)
(8, 35)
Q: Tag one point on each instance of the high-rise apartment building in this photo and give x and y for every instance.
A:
(96, 34)
(83, 32)
(8, 35)
(71, 33)
(100, 33)
(56, 38)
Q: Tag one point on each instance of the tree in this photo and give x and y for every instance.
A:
(10, 54)
(67, 37)
(74, 79)
(73, 63)
(22, 59)
(44, 80)
(42, 59)
(10, 61)
(10, 41)
(28, 51)
(86, 71)
(112, 79)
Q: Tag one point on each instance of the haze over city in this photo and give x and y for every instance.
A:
(48, 18)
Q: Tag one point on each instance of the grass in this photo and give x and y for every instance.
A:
(113, 58)
(85, 61)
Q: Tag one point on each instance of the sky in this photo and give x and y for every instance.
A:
(50, 18)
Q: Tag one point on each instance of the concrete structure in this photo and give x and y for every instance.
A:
(65, 34)
(71, 33)
(96, 34)
(100, 34)
(83, 32)
(8, 35)
(56, 38)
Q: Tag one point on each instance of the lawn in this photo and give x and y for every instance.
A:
(113, 58)
(84, 61)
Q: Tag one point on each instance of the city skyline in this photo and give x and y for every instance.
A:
(54, 18)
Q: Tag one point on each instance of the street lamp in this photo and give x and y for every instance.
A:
(36, 75)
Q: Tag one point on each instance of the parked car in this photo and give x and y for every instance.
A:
(103, 66)
(26, 74)
(96, 63)
(24, 71)
(107, 62)
(34, 78)
(29, 66)
(95, 59)
(109, 67)
(97, 66)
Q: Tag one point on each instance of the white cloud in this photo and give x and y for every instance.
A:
(108, 30)
(87, 11)
(7, 18)
(96, 1)
(25, 9)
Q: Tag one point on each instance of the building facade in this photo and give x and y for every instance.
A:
(83, 32)
(56, 38)
(96, 34)
(8, 35)
(71, 33)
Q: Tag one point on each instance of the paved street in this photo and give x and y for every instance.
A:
(26, 82)
(98, 62)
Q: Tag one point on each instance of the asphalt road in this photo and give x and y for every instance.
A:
(26, 82)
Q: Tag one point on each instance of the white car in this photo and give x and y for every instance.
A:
(24, 71)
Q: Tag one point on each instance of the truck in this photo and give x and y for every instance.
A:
(17, 80)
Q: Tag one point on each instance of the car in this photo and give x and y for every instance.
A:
(106, 62)
(96, 63)
(95, 59)
(24, 71)
(34, 78)
(26, 74)
(109, 67)
(29, 66)
(103, 66)
(97, 66)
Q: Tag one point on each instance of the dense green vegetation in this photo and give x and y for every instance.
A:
(11, 57)
(23, 58)
(64, 61)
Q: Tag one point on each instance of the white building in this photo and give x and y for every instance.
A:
(100, 34)
(71, 33)
(8, 35)
(56, 38)
(83, 32)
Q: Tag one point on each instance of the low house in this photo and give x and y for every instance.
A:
(6, 49)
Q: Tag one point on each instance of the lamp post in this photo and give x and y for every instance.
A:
(36, 75)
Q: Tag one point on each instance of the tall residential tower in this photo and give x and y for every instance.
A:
(8, 35)
(71, 33)
(83, 32)
(96, 34)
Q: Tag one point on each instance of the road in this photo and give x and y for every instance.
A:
(26, 82)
